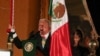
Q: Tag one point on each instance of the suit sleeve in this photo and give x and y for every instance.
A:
(18, 43)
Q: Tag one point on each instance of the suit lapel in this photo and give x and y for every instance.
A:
(47, 44)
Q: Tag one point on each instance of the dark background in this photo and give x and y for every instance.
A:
(94, 7)
(76, 8)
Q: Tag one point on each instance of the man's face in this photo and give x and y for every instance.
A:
(43, 27)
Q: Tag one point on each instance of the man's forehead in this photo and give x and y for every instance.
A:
(43, 22)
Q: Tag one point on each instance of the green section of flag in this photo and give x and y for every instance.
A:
(31, 51)
(50, 8)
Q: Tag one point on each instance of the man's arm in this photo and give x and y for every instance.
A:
(16, 40)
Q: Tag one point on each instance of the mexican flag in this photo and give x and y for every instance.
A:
(60, 39)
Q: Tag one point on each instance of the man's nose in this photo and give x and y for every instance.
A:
(41, 29)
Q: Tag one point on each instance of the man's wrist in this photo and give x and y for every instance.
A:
(14, 35)
(12, 30)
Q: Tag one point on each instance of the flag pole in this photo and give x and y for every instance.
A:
(12, 13)
(10, 38)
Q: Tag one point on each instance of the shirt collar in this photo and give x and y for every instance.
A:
(46, 35)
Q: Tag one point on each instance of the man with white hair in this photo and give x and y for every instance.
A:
(42, 38)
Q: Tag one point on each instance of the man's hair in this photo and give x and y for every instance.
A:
(46, 20)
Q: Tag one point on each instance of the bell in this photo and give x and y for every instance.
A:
(93, 44)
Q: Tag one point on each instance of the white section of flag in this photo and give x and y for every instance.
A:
(57, 23)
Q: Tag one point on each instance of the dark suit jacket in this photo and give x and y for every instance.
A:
(18, 43)
(46, 49)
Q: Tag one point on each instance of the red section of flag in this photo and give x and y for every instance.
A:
(60, 42)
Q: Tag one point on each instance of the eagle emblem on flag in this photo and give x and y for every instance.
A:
(58, 10)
